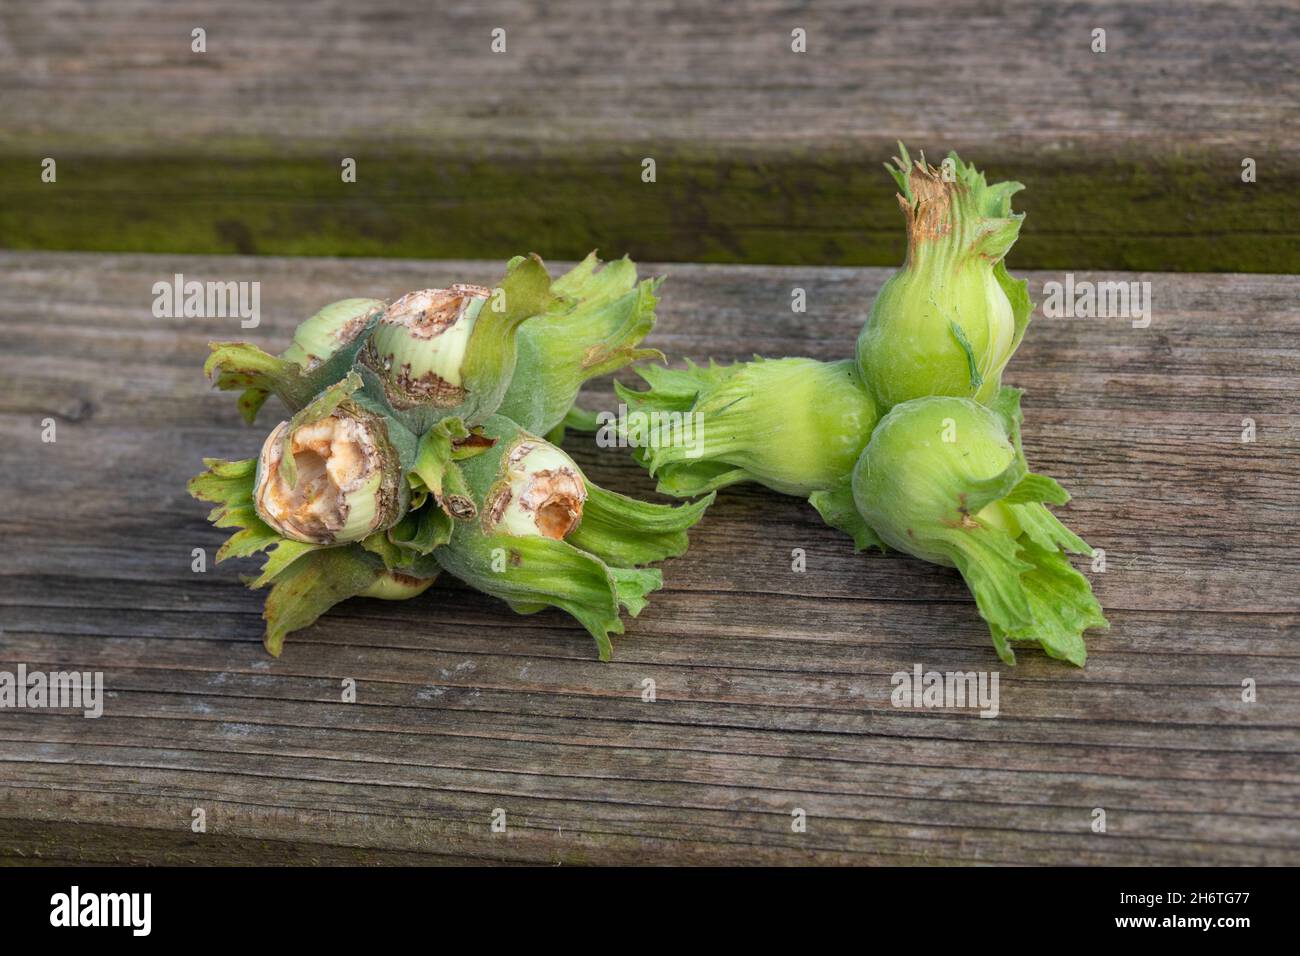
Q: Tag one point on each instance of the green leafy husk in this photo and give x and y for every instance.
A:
(316, 358)
(306, 579)
(606, 314)
(946, 479)
(625, 531)
(229, 485)
(310, 587)
(530, 574)
(490, 355)
(795, 425)
(589, 323)
(950, 319)
(591, 575)
(435, 469)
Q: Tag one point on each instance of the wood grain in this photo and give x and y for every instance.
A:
(772, 686)
(652, 71)
(1132, 156)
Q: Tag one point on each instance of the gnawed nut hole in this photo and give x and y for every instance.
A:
(543, 494)
(555, 498)
(420, 344)
(339, 473)
(430, 312)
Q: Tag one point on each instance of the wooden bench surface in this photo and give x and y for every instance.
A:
(764, 155)
(773, 687)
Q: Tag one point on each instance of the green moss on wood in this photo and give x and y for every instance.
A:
(1174, 213)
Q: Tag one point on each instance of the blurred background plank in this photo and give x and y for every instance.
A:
(773, 686)
(1133, 157)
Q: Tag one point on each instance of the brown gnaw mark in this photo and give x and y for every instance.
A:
(474, 440)
(461, 507)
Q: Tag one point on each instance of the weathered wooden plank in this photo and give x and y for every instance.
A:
(298, 70)
(1219, 350)
(85, 844)
(1201, 693)
(1132, 157)
(393, 713)
(743, 830)
(773, 687)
